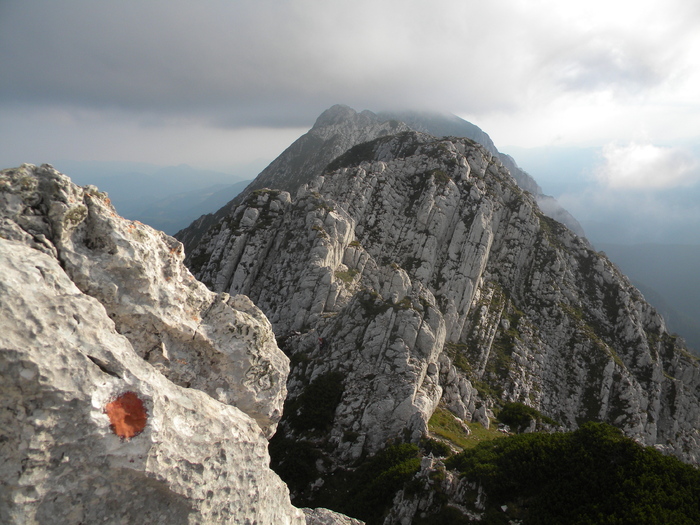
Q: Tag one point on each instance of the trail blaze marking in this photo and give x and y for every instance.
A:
(127, 415)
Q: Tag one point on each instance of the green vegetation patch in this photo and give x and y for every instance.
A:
(372, 303)
(456, 352)
(518, 416)
(441, 178)
(347, 277)
(590, 476)
(436, 448)
(480, 433)
(444, 424)
(370, 489)
(365, 491)
(355, 156)
(294, 461)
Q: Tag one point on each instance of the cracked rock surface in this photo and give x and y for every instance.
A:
(93, 309)
(418, 269)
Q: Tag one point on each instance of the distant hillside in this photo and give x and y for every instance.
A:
(174, 212)
(668, 277)
(166, 198)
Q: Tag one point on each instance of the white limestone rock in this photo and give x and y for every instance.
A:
(196, 461)
(409, 244)
(219, 344)
(322, 516)
(73, 275)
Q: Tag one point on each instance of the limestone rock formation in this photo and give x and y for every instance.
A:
(328, 517)
(440, 125)
(417, 271)
(129, 392)
(336, 130)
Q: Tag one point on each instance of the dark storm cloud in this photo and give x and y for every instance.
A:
(232, 62)
(265, 62)
(223, 59)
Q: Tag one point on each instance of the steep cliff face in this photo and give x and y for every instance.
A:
(129, 392)
(415, 271)
(440, 125)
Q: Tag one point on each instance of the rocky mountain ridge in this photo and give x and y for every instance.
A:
(408, 276)
(418, 270)
(338, 129)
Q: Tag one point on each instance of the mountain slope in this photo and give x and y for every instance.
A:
(440, 125)
(417, 271)
(668, 276)
(337, 130)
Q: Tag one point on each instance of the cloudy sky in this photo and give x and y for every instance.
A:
(217, 83)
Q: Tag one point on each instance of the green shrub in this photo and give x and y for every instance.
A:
(294, 461)
(517, 416)
(592, 475)
(354, 156)
(435, 447)
(379, 478)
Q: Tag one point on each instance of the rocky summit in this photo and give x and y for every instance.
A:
(413, 274)
(130, 393)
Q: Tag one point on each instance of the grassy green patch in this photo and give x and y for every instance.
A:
(347, 277)
(456, 352)
(444, 424)
(480, 433)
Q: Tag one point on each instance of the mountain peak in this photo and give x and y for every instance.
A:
(334, 115)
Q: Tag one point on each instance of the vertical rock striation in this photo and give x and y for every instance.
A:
(418, 269)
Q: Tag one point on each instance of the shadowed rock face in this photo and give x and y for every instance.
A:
(410, 255)
(129, 391)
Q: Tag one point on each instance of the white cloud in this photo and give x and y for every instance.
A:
(642, 166)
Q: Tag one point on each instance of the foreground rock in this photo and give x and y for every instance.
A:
(129, 392)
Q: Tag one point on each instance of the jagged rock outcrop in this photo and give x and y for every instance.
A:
(129, 392)
(419, 270)
(441, 125)
(328, 517)
(335, 131)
